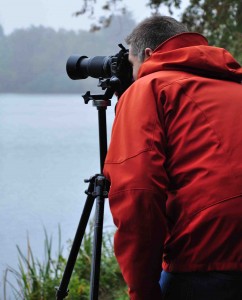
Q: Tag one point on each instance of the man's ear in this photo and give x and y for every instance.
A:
(148, 52)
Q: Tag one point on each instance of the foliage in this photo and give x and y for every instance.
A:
(37, 281)
(171, 4)
(111, 7)
(220, 21)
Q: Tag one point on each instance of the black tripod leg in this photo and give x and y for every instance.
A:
(97, 241)
(101, 191)
(62, 291)
(98, 188)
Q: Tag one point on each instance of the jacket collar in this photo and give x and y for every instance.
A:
(190, 52)
(182, 40)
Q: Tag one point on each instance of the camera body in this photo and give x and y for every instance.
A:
(115, 69)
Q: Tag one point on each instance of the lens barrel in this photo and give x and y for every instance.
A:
(80, 67)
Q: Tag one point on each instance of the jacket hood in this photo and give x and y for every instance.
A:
(191, 53)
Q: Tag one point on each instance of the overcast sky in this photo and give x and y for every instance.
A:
(57, 14)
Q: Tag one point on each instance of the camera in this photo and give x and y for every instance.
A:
(114, 72)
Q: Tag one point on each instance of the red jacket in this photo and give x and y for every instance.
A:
(175, 165)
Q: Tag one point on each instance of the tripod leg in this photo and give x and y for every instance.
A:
(62, 291)
(97, 242)
(101, 192)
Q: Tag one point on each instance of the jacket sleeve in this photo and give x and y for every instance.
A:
(135, 167)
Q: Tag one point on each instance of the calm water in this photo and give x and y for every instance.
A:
(48, 146)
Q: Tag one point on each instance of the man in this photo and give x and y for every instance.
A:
(175, 166)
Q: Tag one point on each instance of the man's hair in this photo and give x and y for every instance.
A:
(151, 32)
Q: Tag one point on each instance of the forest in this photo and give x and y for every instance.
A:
(34, 60)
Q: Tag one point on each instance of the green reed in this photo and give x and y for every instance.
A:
(36, 280)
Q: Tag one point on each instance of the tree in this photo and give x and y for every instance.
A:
(220, 21)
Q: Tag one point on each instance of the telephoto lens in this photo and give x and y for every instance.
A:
(81, 67)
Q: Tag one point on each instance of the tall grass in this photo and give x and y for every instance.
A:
(36, 280)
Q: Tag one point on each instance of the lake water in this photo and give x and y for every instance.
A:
(48, 146)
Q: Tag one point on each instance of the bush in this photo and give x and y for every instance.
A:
(37, 281)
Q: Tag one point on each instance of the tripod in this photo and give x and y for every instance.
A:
(97, 189)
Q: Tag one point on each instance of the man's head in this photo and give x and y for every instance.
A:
(148, 35)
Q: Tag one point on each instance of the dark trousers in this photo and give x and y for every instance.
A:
(201, 286)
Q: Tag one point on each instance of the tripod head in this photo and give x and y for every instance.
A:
(103, 100)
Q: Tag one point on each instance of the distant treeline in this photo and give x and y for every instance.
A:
(33, 60)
